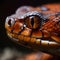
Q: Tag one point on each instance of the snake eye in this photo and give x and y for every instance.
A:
(33, 22)
(10, 21)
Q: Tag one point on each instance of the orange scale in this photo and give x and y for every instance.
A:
(26, 32)
(51, 17)
(46, 34)
(8, 27)
(17, 27)
(37, 34)
(55, 37)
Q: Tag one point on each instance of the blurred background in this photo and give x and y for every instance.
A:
(8, 7)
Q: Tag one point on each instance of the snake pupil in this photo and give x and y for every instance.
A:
(32, 21)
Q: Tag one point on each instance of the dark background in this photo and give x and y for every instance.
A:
(8, 7)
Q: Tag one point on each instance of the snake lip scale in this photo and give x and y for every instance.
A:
(35, 29)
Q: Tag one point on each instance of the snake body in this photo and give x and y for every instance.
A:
(36, 27)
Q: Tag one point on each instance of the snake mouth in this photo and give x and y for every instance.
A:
(29, 42)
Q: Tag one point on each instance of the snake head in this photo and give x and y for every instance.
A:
(33, 31)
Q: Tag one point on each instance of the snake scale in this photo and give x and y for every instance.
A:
(36, 27)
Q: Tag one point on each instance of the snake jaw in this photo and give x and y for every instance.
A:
(47, 46)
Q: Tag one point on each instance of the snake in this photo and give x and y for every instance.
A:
(37, 28)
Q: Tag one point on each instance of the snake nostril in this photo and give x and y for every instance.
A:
(10, 21)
